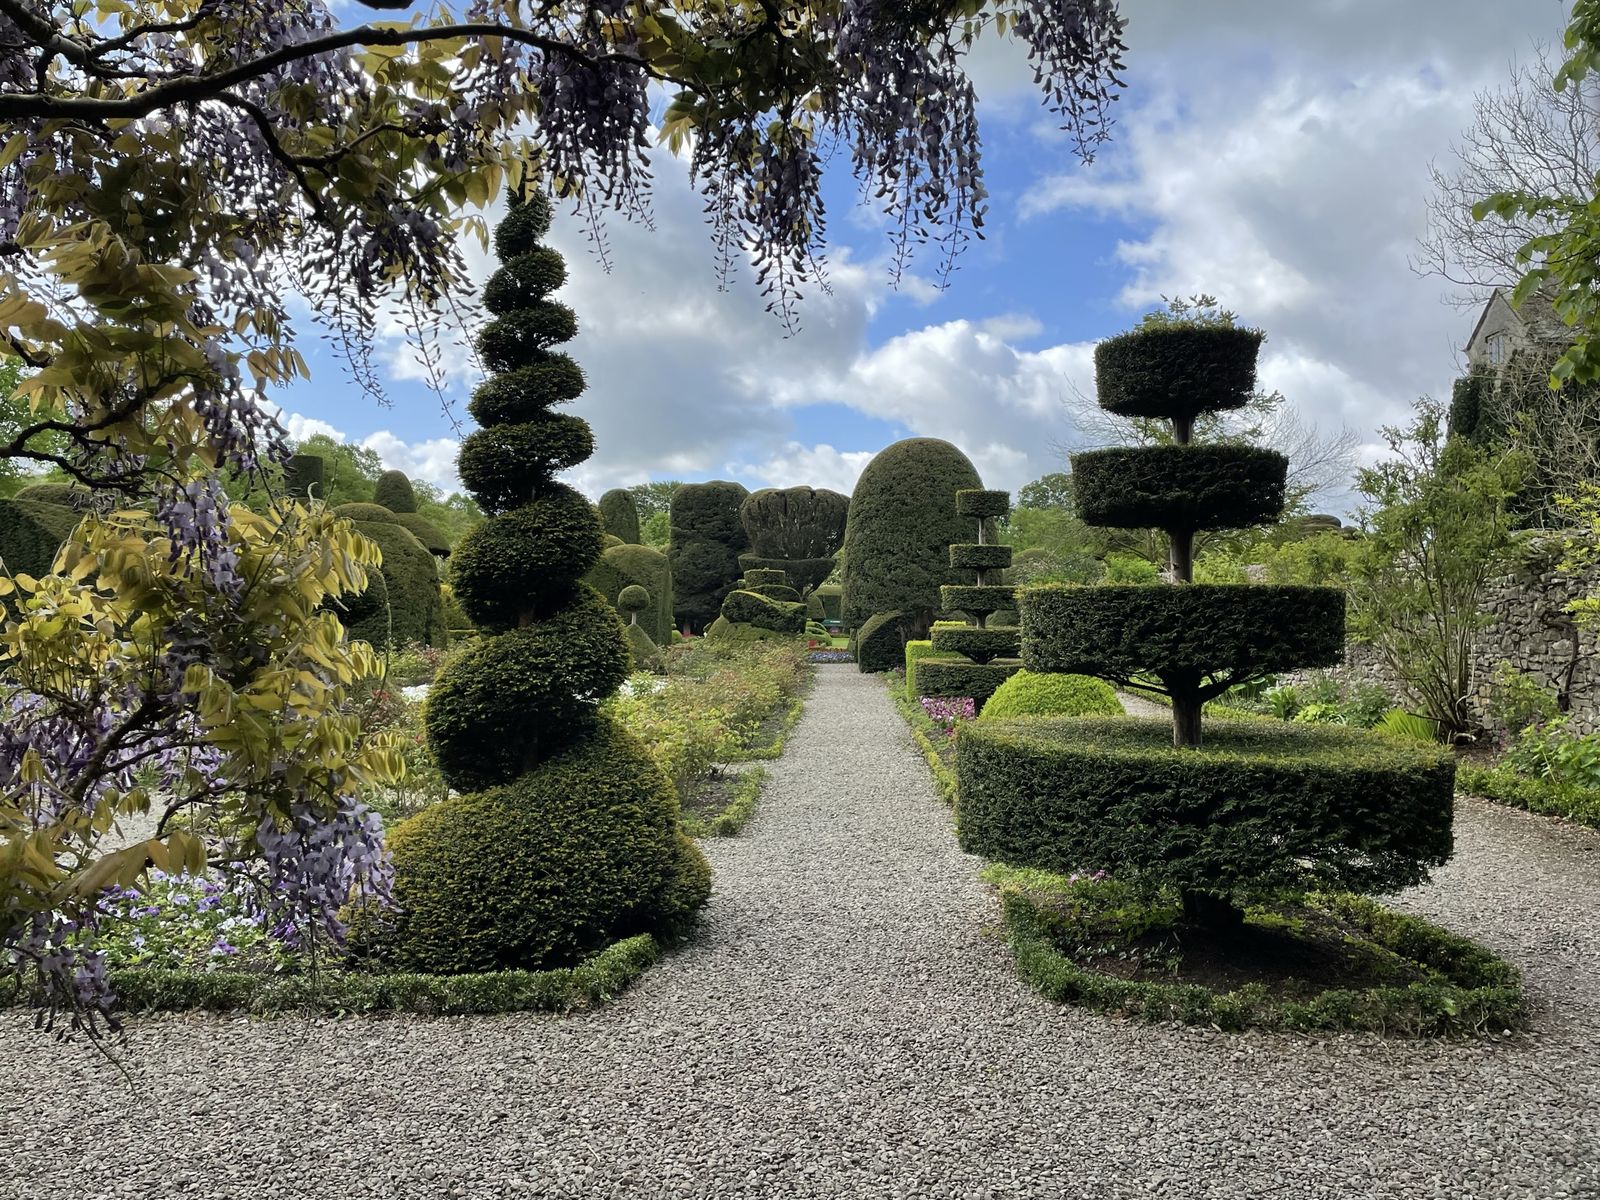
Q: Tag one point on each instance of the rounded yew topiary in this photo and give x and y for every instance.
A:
(394, 491)
(619, 513)
(795, 530)
(1029, 694)
(402, 602)
(576, 842)
(901, 523)
(707, 540)
(32, 531)
(547, 868)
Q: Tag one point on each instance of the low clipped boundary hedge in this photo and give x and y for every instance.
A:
(916, 651)
(1123, 631)
(1472, 990)
(923, 732)
(737, 812)
(1179, 487)
(963, 677)
(774, 748)
(1505, 786)
(1258, 808)
(595, 981)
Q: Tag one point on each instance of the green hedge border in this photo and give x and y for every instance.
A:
(1476, 991)
(595, 981)
(1505, 787)
(736, 814)
(922, 731)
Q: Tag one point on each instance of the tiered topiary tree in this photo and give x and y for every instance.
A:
(566, 836)
(795, 530)
(631, 601)
(707, 540)
(1261, 807)
(762, 606)
(976, 659)
(896, 553)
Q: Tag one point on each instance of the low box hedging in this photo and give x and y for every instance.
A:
(1259, 807)
(880, 643)
(980, 645)
(751, 608)
(963, 677)
(976, 599)
(754, 577)
(1179, 487)
(1176, 371)
(915, 652)
(982, 503)
(968, 556)
(1118, 632)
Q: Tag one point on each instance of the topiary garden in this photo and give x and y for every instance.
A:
(565, 836)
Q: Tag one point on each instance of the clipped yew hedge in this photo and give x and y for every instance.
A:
(880, 643)
(980, 645)
(751, 608)
(1179, 487)
(1121, 631)
(963, 677)
(1176, 371)
(1260, 807)
(31, 531)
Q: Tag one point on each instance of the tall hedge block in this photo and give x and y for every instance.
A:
(619, 513)
(707, 540)
(564, 835)
(901, 523)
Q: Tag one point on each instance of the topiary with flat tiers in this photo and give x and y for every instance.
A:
(566, 835)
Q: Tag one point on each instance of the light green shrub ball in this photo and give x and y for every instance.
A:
(1027, 694)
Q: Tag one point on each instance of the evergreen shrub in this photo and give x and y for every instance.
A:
(880, 643)
(31, 532)
(1026, 694)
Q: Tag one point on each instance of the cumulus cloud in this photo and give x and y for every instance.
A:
(798, 465)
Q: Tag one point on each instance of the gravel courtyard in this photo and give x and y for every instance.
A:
(847, 1024)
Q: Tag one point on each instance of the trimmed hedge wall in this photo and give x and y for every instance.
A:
(902, 522)
(31, 531)
(963, 677)
(1176, 371)
(751, 608)
(980, 645)
(1179, 487)
(547, 869)
(880, 643)
(1028, 695)
(1260, 807)
(1118, 632)
(916, 651)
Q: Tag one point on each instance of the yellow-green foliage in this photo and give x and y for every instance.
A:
(914, 651)
(554, 865)
(1027, 694)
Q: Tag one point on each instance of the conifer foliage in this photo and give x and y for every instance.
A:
(567, 836)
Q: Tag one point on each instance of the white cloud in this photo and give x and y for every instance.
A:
(797, 465)
(433, 460)
(301, 427)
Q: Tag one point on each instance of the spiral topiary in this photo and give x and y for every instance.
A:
(567, 834)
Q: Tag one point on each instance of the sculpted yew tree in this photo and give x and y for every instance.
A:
(795, 530)
(565, 835)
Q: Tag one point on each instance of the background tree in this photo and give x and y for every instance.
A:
(707, 540)
(1526, 137)
(1436, 527)
(897, 540)
(1051, 491)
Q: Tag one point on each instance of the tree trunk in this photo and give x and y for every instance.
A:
(1181, 554)
(1209, 911)
(1186, 721)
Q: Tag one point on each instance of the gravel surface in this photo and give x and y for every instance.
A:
(848, 1024)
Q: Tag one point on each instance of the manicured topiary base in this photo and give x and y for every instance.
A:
(596, 980)
(1327, 962)
(963, 677)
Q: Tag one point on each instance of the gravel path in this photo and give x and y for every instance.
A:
(848, 1025)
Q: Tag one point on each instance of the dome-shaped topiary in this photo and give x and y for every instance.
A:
(365, 510)
(576, 843)
(547, 868)
(402, 600)
(55, 493)
(897, 539)
(509, 701)
(394, 491)
(1027, 694)
(619, 512)
(633, 599)
(426, 532)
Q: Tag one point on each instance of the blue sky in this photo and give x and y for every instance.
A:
(1274, 154)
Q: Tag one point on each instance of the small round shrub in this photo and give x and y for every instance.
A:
(394, 491)
(526, 559)
(513, 700)
(495, 463)
(633, 598)
(1027, 694)
(528, 392)
(519, 338)
(521, 228)
(546, 869)
(522, 281)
